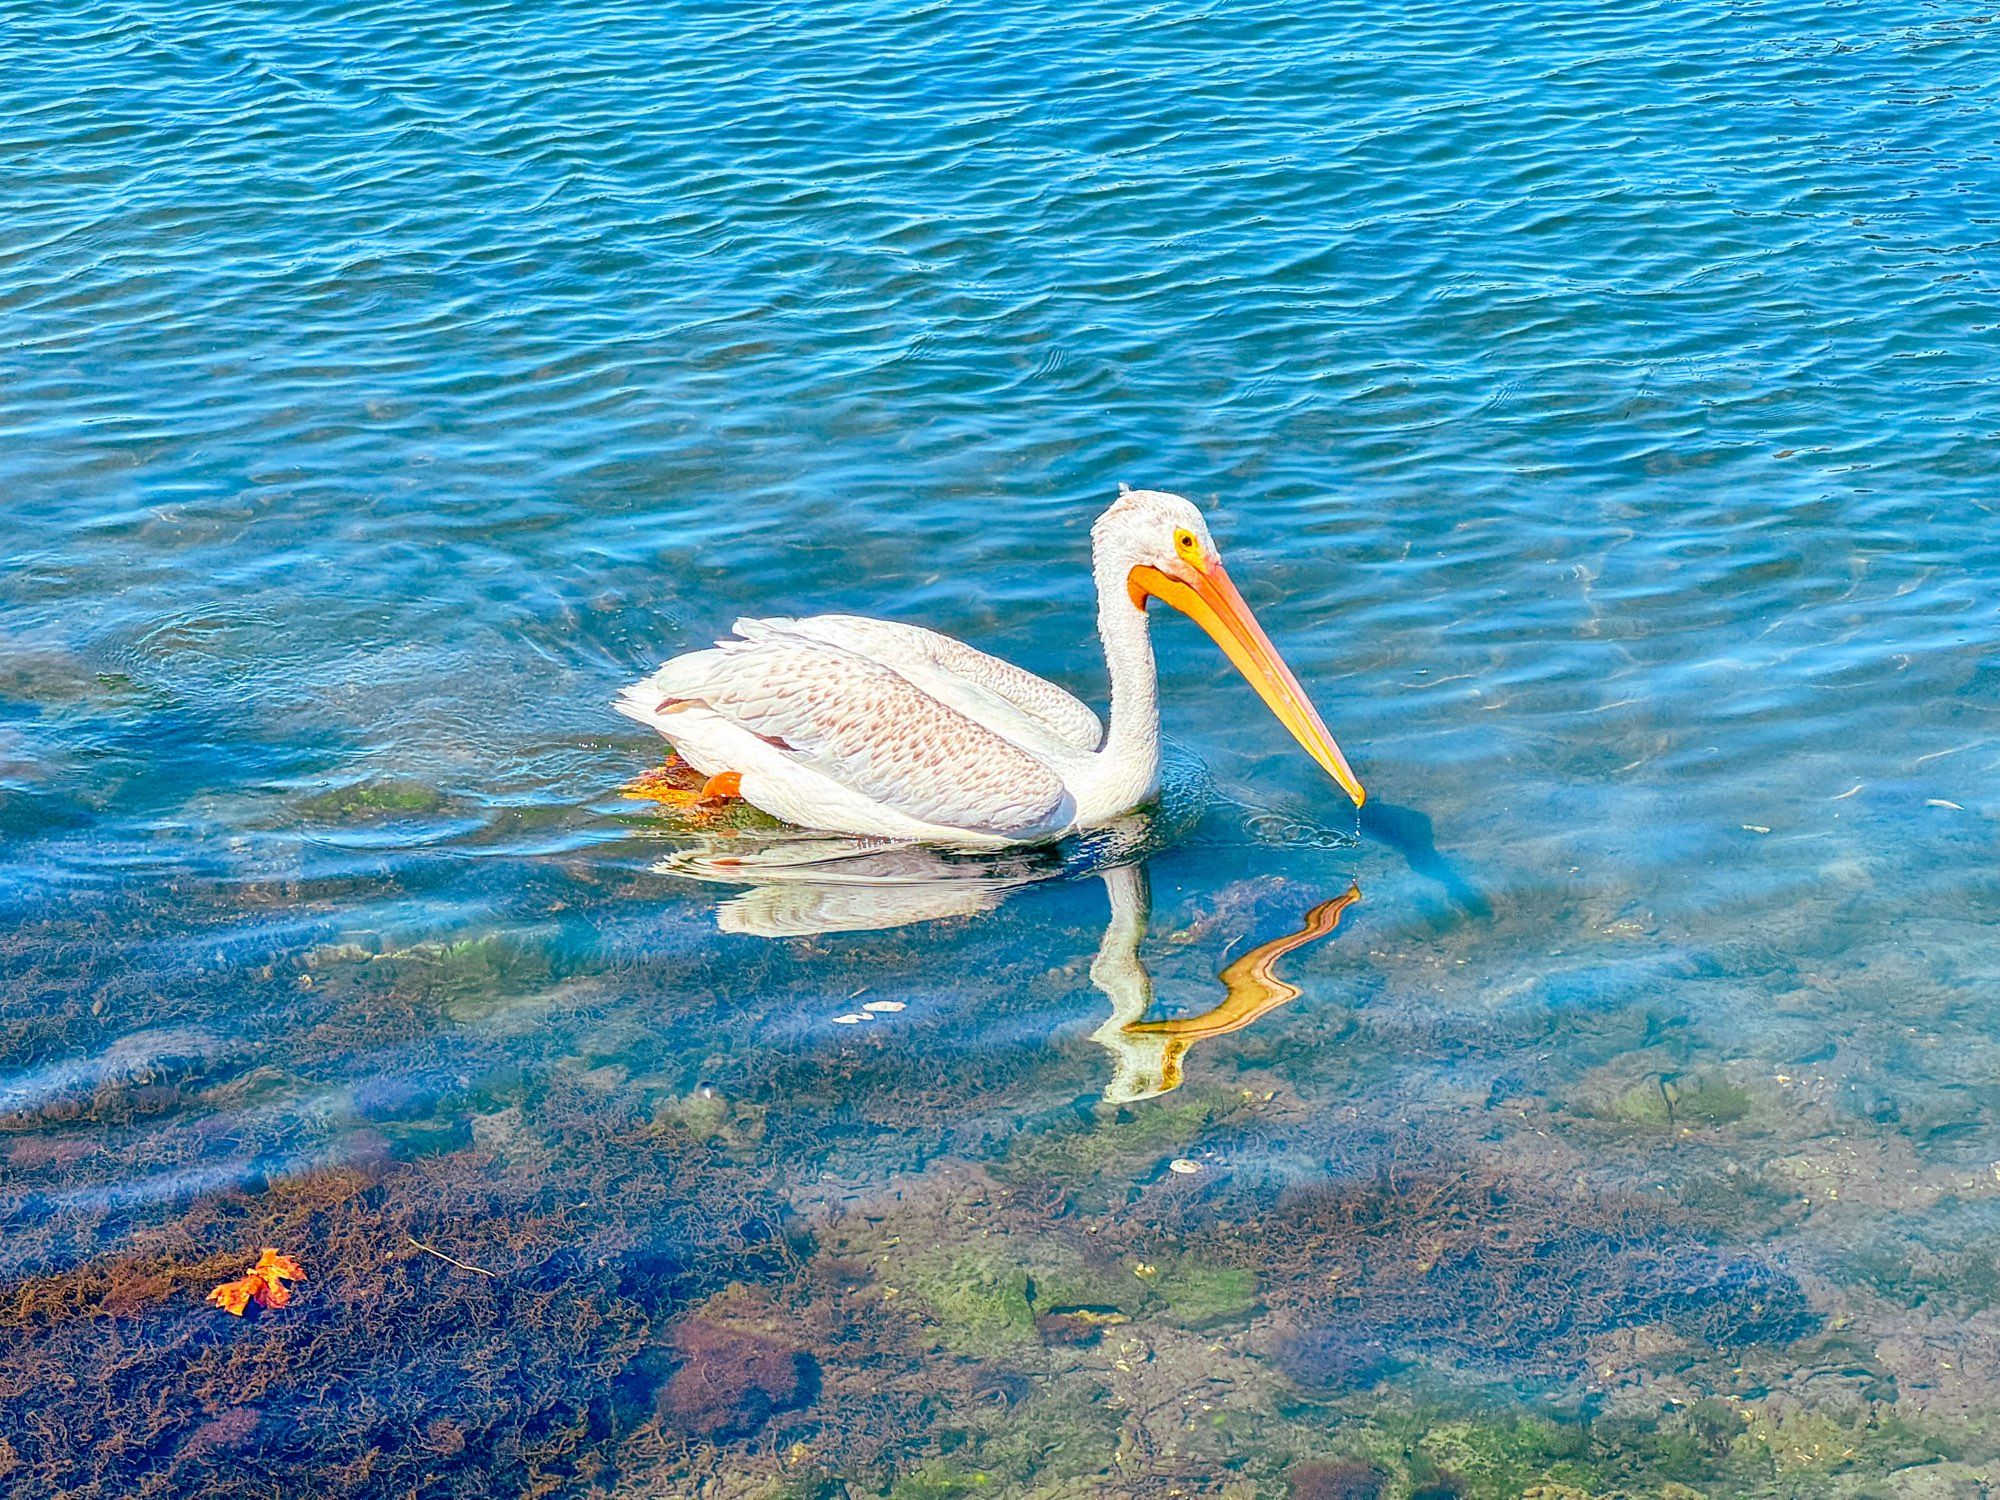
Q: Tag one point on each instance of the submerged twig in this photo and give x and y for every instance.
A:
(452, 1259)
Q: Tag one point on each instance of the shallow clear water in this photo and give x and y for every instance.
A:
(1598, 406)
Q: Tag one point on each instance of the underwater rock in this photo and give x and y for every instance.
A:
(731, 1382)
(391, 1098)
(1348, 1479)
(362, 801)
(1335, 1359)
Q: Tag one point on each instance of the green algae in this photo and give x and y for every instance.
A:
(985, 1296)
(978, 1299)
(711, 1118)
(1958, 1280)
(1504, 1455)
(1202, 1297)
(1118, 1142)
(1712, 1448)
(940, 1481)
(50, 679)
(1455, 1449)
(1696, 1100)
(1059, 1279)
(1060, 1440)
(470, 977)
(366, 801)
(1794, 1441)
(1724, 1447)
(813, 1484)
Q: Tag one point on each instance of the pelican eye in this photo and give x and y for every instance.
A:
(1187, 546)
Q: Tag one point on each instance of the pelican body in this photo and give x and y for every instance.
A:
(884, 730)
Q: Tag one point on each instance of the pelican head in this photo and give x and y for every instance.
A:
(1161, 545)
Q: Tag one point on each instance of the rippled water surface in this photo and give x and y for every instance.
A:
(1598, 405)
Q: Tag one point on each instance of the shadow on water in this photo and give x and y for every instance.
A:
(1411, 834)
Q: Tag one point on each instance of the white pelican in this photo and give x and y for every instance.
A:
(879, 729)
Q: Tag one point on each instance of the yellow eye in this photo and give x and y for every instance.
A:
(1187, 546)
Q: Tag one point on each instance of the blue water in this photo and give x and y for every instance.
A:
(1597, 404)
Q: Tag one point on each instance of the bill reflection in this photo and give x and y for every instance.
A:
(810, 886)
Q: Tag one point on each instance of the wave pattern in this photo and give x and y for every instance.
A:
(1598, 403)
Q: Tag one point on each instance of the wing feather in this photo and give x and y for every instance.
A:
(968, 679)
(871, 729)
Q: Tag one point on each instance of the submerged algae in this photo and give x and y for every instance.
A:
(939, 1480)
(1654, 1086)
(508, 1343)
(1200, 1297)
(363, 800)
(730, 1380)
(1415, 1241)
(1504, 1273)
(1090, 1154)
(1505, 1454)
(979, 1301)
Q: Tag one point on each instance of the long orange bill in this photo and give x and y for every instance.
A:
(1208, 598)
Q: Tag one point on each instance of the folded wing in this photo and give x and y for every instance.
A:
(996, 693)
(867, 727)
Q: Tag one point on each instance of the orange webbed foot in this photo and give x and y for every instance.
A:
(675, 784)
(719, 791)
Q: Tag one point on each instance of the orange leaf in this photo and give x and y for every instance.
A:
(272, 1265)
(263, 1283)
(234, 1296)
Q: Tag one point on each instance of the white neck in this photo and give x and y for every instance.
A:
(1126, 772)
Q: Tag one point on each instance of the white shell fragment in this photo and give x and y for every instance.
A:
(1183, 1166)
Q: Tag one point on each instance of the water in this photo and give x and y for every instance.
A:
(1596, 405)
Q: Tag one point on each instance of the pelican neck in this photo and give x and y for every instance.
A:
(1125, 772)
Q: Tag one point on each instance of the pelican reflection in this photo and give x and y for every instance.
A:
(808, 886)
(1147, 1057)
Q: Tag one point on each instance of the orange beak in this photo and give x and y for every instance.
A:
(1206, 596)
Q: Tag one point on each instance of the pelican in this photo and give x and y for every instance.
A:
(877, 729)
